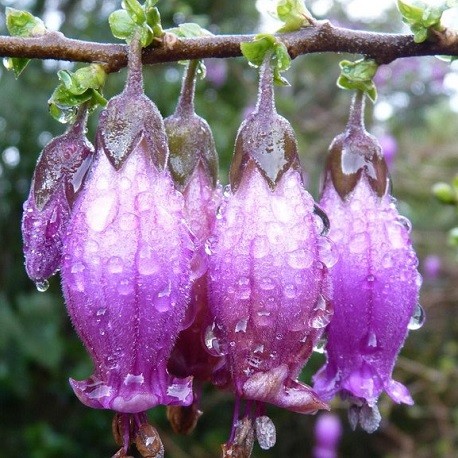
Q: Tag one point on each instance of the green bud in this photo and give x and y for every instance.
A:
(256, 50)
(294, 14)
(82, 86)
(21, 24)
(358, 76)
(421, 16)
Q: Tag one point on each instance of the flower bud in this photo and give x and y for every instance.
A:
(267, 280)
(126, 265)
(375, 282)
(57, 180)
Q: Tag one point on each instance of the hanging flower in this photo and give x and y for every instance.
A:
(193, 164)
(375, 282)
(126, 265)
(57, 180)
(267, 277)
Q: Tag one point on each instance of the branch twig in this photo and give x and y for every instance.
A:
(322, 37)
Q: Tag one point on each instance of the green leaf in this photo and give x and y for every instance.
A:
(453, 237)
(294, 14)
(121, 25)
(421, 16)
(82, 86)
(358, 76)
(16, 64)
(23, 24)
(135, 11)
(190, 30)
(256, 50)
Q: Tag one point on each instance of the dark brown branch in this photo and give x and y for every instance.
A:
(323, 37)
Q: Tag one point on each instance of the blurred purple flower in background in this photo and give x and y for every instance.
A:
(328, 431)
(216, 71)
(432, 266)
(389, 147)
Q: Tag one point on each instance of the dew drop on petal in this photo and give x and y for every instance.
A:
(358, 243)
(300, 259)
(241, 325)
(42, 286)
(265, 432)
(403, 221)
(418, 318)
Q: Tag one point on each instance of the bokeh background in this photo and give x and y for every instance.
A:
(416, 119)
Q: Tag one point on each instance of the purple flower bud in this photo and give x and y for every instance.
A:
(328, 431)
(267, 281)
(375, 282)
(57, 180)
(194, 167)
(126, 265)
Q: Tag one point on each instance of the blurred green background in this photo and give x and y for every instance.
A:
(417, 114)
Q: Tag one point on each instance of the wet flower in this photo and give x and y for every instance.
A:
(57, 180)
(126, 264)
(267, 278)
(194, 166)
(375, 282)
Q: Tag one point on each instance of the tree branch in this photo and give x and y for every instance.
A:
(322, 37)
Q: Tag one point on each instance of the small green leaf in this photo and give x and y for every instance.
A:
(82, 86)
(421, 16)
(256, 50)
(16, 64)
(121, 25)
(23, 24)
(190, 30)
(358, 76)
(135, 11)
(294, 14)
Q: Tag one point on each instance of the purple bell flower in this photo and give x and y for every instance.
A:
(194, 166)
(57, 180)
(267, 279)
(375, 283)
(126, 261)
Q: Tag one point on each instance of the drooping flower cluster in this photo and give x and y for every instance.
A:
(170, 284)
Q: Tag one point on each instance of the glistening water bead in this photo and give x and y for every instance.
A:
(42, 286)
(418, 318)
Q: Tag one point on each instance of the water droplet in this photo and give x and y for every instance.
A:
(324, 219)
(227, 191)
(328, 252)
(418, 318)
(258, 348)
(372, 340)
(387, 261)
(125, 287)
(241, 325)
(210, 245)
(370, 278)
(290, 291)
(127, 221)
(265, 432)
(403, 221)
(322, 316)
(261, 247)
(101, 311)
(267, 284)
(320, 346)
(219, 213)
(300, 259)
(77, 267)
(211, 342)
(101, 211)
(42, 286)
(115, 265)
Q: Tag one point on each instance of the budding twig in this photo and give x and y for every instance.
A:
(321, 37)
